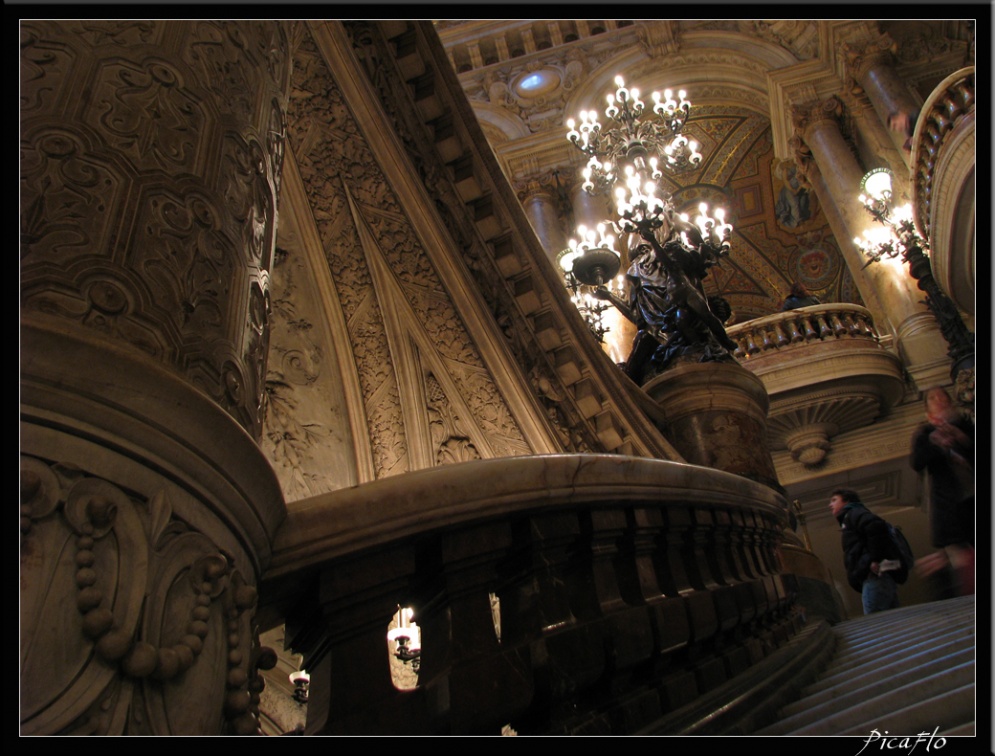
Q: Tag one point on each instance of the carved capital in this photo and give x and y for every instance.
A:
(658, 38)
(861, 57)
(549, 185)
(809, 115)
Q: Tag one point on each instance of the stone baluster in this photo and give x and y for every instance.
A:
(823, 327)
(794, 330)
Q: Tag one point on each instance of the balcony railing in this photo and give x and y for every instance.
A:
(952, 100)
(776, 333)
(826, 373)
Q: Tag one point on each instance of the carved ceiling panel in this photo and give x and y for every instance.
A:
(399, 317)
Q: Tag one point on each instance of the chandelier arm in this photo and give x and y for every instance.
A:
(603, 294)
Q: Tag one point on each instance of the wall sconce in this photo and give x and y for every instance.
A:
(899, 238)
(407, 636)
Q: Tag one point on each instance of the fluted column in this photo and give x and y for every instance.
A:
(887, 289)
(150, 163)
(872, 66)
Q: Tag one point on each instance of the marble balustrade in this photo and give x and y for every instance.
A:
(805, 325)
(626, 589)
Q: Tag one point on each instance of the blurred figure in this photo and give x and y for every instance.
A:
(799, 297)
(944, 448)
(905, 124)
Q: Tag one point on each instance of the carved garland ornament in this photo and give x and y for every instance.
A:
(152, 598)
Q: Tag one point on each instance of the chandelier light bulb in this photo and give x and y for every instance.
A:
(902, 214)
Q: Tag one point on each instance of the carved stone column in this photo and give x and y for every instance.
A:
(872, 66)
(875, 144)
(150, 164)
(888, 290)
(538, 197)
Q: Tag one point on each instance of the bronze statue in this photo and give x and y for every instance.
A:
(677, 322)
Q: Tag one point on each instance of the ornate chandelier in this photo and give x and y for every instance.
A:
(897, 237)
(628, 158)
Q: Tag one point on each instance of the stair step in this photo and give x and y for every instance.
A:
(855, 630)
(881, 712)
(969, 729)
(904, 671)
(872, 685)
(938, 712)
(839, 673)
(945, 653)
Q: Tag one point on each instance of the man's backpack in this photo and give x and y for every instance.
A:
(904, 552)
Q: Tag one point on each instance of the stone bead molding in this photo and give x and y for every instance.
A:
(132, 623)
(856, 379)
(103, 403)
(624, 588)
(150, 166)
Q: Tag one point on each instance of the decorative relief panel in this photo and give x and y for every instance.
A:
(449, 439)
(132, 622)
(377, 304)
(306, 433)
(148, 204)
(566, 420)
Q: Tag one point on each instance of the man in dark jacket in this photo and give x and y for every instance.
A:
(868, 553)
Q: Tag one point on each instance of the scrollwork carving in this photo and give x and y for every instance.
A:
(124, 229)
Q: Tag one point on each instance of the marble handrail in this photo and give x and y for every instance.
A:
(785, 330)
(625, 588)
